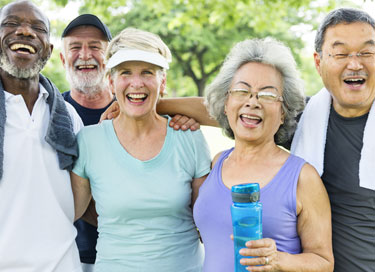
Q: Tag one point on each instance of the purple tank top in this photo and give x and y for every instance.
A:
(213, 219)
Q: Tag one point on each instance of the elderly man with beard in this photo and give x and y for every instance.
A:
(37, 147)
(84, 41)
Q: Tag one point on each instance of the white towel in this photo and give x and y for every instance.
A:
(310, 138)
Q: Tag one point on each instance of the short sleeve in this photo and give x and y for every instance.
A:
(80, 163)
(202, 154)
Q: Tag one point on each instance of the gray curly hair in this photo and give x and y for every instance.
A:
(268, 51)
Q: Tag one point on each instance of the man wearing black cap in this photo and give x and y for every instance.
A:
(84, 42)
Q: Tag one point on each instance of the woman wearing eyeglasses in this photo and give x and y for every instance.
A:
(255, 98)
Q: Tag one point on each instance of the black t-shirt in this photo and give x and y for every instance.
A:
(87, 234)
(88, 116)
(353, 207)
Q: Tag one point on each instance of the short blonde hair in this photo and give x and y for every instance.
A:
(132, 38)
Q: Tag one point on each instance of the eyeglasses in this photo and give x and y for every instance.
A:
(262, 96)
(365, 57)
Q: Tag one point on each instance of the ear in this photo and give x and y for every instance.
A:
(163, 85)
(62, 58)
(282, 116)
(317, 60)
(225, 106)
(111, 83)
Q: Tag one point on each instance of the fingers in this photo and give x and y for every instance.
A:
(265, 242)
(112, 112)
(257, 261)
(191, 124)
(263, 255)
(184, 123)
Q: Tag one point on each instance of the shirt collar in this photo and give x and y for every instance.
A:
(42, 93)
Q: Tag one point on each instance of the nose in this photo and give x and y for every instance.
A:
(136, 82)
(253, 101)
(85, 53)
(354, 63)
(25, 30)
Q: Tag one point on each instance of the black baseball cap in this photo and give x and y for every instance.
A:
(88, 19)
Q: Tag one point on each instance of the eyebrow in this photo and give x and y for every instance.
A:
(262, 88)
(80, 43)
(268, 87)
(370, 42)
(245, 83)
(74, 43)
(34, 21)
(338, 43)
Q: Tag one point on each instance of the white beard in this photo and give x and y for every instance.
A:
(22, 73)
(89, 83)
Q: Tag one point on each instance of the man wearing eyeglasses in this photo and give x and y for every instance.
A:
(336, 133)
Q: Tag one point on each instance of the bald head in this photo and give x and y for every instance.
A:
(26, 6)
(24, 39)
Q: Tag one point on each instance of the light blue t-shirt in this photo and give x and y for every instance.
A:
(145, 221)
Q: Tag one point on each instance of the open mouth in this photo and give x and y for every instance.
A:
(86, 67)
(136, 97)
(355, 81)
(22, 48)
(250, 119)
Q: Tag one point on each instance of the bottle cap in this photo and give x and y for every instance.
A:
(245, 193)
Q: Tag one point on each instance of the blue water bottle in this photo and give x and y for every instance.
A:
(246, 218)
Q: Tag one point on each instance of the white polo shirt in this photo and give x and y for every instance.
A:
(36, 199)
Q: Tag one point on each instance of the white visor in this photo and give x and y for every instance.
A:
(137, 55)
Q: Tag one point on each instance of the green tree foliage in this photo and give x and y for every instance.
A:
(201, 33)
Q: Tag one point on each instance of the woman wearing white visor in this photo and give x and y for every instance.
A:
(141, 173)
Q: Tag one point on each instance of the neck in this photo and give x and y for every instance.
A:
(98, 100)
(28, 88)
(351, 112)
(245, 151)
(139, 128)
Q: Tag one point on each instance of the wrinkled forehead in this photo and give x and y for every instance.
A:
(24, 11)
(356, 34)
(257, 75)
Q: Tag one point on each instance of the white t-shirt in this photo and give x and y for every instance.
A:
(36, 199)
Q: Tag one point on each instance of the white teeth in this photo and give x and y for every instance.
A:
(17, 46)
(137, 96)
(354, 79)
(86, 67)
(250, 117)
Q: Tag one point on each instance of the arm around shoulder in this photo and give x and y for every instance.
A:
(192, 107)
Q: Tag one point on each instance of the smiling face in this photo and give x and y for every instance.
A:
(83, 58)
(351, 82)
(24, 40)
(250, 119)
(137, 86)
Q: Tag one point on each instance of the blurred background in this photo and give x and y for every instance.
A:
(200, 33)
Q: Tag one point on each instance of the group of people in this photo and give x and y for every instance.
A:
(149, 186)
